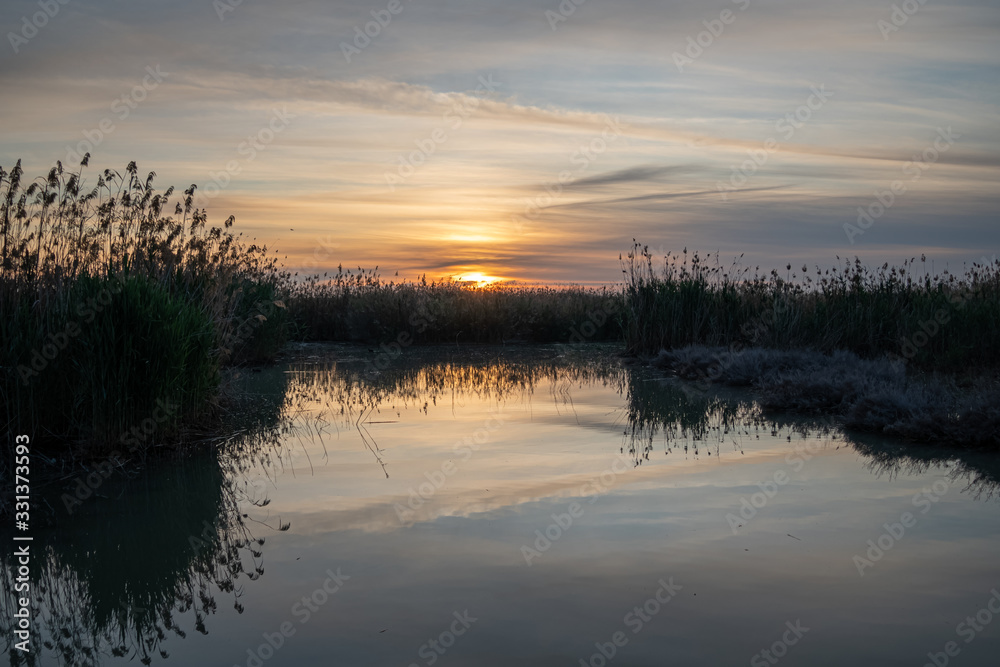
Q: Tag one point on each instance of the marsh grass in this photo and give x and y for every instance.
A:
(943, 321)
(894, 350)
(116, 299)
(112, 305)
(360, 306)
(866, 395)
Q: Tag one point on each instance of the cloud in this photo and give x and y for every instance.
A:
(681, 132)
(628, 175)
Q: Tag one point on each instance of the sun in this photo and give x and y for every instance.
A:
(477, 279)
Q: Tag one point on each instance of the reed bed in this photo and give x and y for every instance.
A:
(120, 304)
(360, 306)
(116, 313)
(943, 321)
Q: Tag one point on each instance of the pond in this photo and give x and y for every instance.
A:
(542, 505)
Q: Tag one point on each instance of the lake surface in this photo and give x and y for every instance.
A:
(521, 506)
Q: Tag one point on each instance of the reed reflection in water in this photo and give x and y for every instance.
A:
(328, 462)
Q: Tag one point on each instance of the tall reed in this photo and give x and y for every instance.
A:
(112, 307)
(944, 321)
(360, 306)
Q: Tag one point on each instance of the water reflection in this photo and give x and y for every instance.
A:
(326, 444)
(113, 580)
(669, 414)
(977, 473)
(150, 554)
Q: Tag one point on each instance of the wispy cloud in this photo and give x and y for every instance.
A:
(680, 133)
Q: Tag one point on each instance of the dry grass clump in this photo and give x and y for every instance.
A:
(872, 395)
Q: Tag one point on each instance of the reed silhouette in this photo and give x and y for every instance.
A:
(112, 307)
(943, 321)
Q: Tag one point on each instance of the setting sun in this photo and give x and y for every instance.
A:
(498, 328)
(478, 279)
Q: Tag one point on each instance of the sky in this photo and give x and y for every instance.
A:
(531, 140)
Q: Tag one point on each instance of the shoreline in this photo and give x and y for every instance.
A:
(878, 396)
(953, 411)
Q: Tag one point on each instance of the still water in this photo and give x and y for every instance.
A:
(520, 506)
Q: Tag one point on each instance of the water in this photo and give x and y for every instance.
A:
(525, 506)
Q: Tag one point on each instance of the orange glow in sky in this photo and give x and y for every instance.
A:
(479, 279)
(512, 151)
